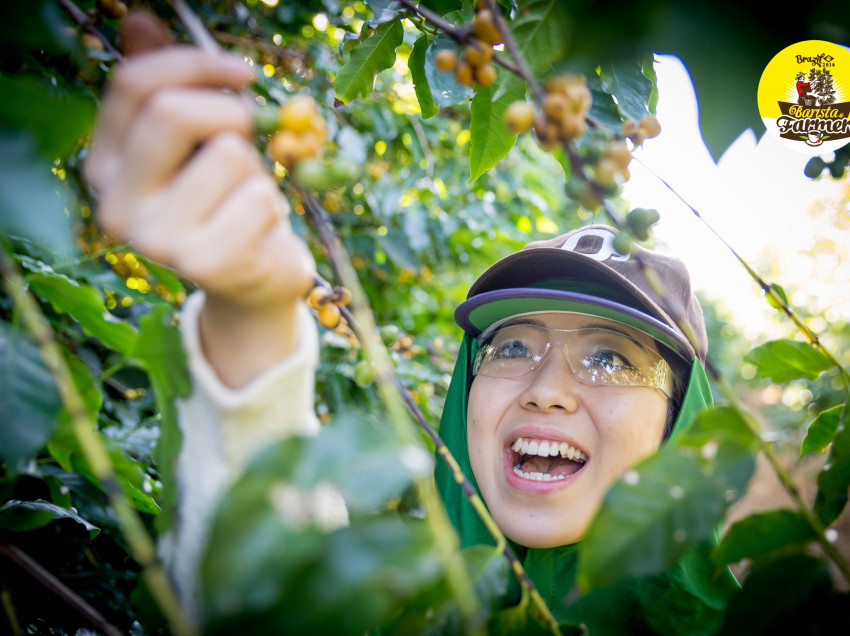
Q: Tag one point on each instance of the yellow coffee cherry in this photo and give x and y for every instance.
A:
(463, 74)
(619, 153)
(329, 315)
(297, 115)
(445, 60)
(485, 27)
(318, 296)
(650, 127)
(485, 75)
(519, 116)
(478, 53)
(341, 296)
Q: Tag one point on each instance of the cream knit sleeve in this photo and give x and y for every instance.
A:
(222, 429)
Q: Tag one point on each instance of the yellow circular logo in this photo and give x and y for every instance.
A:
(804, 96)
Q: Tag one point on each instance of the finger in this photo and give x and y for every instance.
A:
(227, 243)
(135, 82)
(171, 127)
(210, 176)
(141, 32)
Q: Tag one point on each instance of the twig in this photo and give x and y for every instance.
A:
(84, 21)
(44, 578)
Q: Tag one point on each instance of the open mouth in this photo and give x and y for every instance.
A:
(545, 460)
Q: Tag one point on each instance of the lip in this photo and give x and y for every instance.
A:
(538, 487)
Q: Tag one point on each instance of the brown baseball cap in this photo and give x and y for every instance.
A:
(581, 272)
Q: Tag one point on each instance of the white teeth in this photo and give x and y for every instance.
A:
(538, 476)
(548, 448)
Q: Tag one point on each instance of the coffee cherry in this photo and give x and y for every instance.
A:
(634, 131)
(519, 116)
(329, 315)
(814, 167)
(639, 221)
(485, 27)
(341, 296)
(463, 74)
(485, 75)
(319, 295)
(267, 119)
(91, 42)
(607, 174)
(341, 170)
(573, 127)
(650, 126)
(556, 105)
(364, 373)
(298, 114)
(389, 334)
(477, 53)
(619, 153)
(623, 243)
(312, 174)
(445, 60)
(578, 190)
(113, 8)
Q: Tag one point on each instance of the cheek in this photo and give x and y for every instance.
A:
(634, 427)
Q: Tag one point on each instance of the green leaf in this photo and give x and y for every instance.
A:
(21, 516)
(490, 138)
(541, 32)
(416, 63)
(649, 71)
(55, 116)
(32, 199)
(29, 400)
(834, 477)
(35, 24)
(760, 534)
(63, 443)
(85, 305)
(441, 7)
(646, 523)
(603, 108)
(821, 431)
(445, 91)
(779, 292)
(159, 351)
(626, 81)
(784, 360)
(369, 57)
(789, 595)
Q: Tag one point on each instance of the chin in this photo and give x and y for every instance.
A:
(543, 537)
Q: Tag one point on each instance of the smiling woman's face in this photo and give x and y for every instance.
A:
(545, 446)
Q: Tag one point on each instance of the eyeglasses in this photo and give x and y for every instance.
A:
(596, 355)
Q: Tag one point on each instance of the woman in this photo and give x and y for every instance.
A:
(566, 348)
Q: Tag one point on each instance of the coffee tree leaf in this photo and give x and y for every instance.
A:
(416, 63)
(784, 360)
(63, 444)
(787, 595)
(603, 107)
(31, 104)
(760, 534)
(366, 59)
(34, 25)
(541, 31)
(21, 516)
(821, 431)
(646, 523)
(648, 68)
(490, 138)
(442, 6)
(29, 400)
(445, 90)
(834, 478)
(625, 81)
(158, 350)
(32, 199)
(85, 305)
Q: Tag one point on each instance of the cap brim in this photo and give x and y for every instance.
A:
(488, 308)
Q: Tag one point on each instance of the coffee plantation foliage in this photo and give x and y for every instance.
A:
(442, 190)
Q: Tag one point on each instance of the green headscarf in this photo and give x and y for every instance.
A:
(684, 600)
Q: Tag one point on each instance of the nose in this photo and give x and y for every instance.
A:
(552, 386)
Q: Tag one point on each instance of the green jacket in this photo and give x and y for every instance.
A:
(684, 600)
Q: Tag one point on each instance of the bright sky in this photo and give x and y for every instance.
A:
(755, 197)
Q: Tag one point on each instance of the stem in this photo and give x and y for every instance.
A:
(140, 544)
(435, 516)
(84, 21)
(44, 578)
